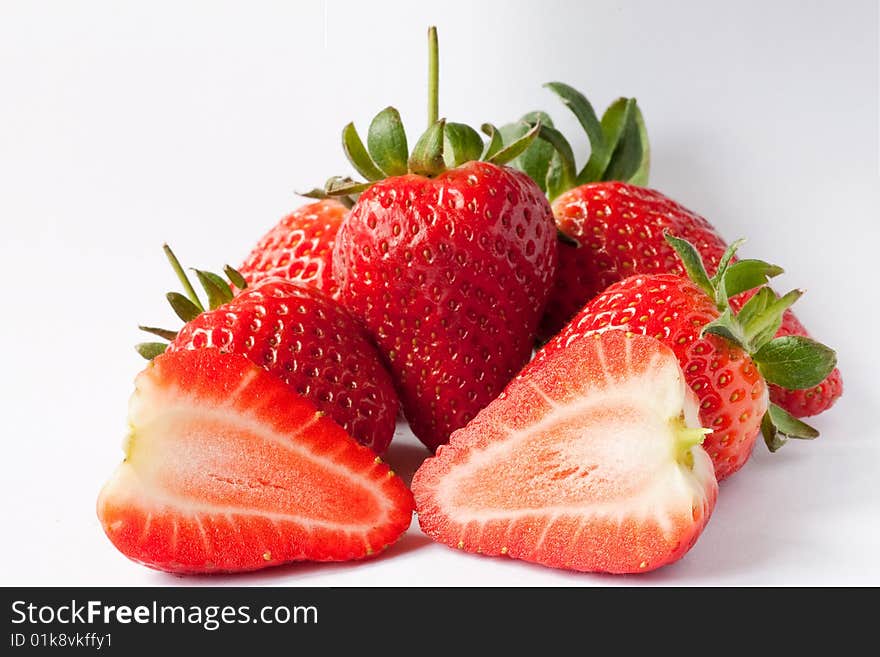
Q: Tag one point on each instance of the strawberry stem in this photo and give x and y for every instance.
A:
(433, 77)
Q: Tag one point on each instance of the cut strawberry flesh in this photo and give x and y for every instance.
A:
(590, 461)
(227, 469)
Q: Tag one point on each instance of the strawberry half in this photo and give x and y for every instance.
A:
(447, 258)
(589, 460)
(227, 469)
(297, 333)
(299, 248)
(611, 226)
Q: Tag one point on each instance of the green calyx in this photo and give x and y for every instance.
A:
(188, 306)
(619, 148)
(444, 145)
(794, 362)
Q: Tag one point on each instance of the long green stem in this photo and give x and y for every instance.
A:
(433, 77)
(181, 275)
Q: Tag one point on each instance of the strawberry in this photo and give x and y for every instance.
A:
(800, 403)
(589, 460)
(727, 359)
(447, 261)
(228, 469)
(298, 334)
(618, 230)
(612, 229)
(299, 248)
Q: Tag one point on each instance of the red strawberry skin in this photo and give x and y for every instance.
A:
(227, 469)
(450, 275)
(313, 344)
(620, 228)
(731, 391)
(568, 466)
(299, 248)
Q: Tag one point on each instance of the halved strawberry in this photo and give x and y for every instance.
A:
(589, 460)
(227, 469)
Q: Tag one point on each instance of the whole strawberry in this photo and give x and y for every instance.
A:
(300, 335)
(727, 358)
(612, 227)
(448, 261)
(616, 230)
(299, 248)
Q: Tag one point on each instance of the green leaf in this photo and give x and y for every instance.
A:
(223, 285)
(181, 276)
(761, 328)
(462, 144)
(586, 116)
(724, 262)
(721, 298)
(510, 132)
(518, 147)
(726, 326)
(693, 263)
(215, 287)
(386, 141)
(722, 295)
(627, 154)
(640, 177)
(777, 426)
(235, 277)
(357, 154)
(314, 192)
(756, 306)
(495, 143)
(537, 159)
(162, 333)
(748, 274)
(339, 186)
(556, 182)
(795, 362)
(790, 425)
(565, 178)
(183, 307)
(150, 350)
(533, 117)
(772, 438)
(427, 156)
(615, 122)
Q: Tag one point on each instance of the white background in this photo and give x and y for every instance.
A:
(123, 125)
